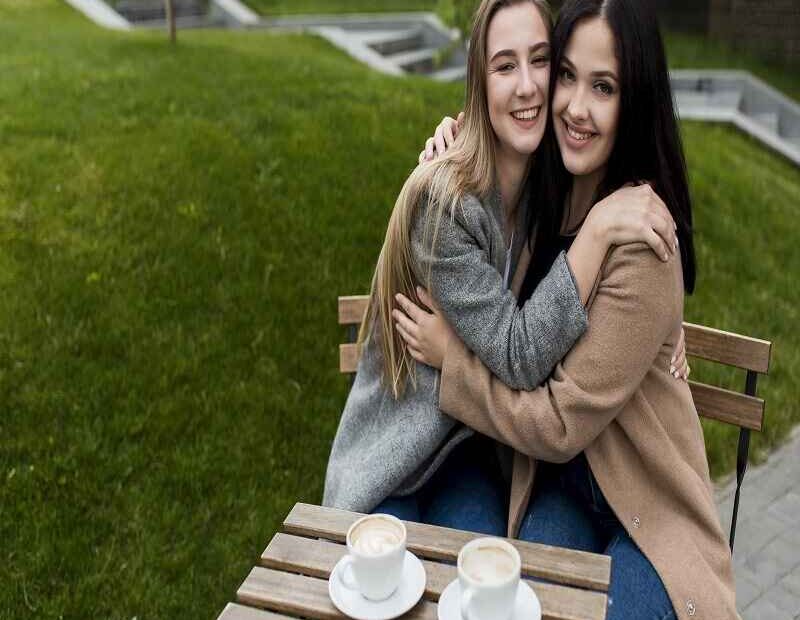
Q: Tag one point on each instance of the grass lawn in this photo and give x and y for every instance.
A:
(175, 227)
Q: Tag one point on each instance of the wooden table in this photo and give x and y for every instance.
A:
(291, 578)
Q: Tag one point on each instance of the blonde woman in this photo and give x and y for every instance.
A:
(459, 227)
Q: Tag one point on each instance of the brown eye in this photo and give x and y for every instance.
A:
(605, 88)
(565, 75)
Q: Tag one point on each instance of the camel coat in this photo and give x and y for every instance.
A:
(613, 398)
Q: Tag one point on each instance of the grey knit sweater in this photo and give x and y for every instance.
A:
(385, 446)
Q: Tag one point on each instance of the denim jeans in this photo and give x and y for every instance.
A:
(569, 510)
(467, 492)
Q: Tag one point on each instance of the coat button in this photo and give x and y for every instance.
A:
(690, 608)
(636, 522)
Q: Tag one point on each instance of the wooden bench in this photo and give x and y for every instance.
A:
(742, 409)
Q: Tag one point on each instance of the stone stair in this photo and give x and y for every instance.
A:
(398, 44)
(745, 101)
(142, 11)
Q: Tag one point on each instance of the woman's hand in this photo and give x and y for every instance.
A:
(634, 214)
(426, 334)
(443, 138)
(679, 366)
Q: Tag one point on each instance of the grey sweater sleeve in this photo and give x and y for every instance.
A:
(520, 346)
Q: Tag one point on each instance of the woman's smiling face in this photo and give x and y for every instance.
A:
(586, 102)
(518, 67)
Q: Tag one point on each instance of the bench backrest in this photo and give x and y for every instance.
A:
(742, 409)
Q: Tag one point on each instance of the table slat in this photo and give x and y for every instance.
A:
(303, 596)
(233, 611)
(576, 568)
(318, 557)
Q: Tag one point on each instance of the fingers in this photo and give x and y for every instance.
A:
(679, 367)
(422, 156)
(654, 240)
(665, 230)
(411, 309)
(429, 149)
(417, 355)
(406, 328)
(438, 140)
(425, 297)
(449, 136)
(459, 121)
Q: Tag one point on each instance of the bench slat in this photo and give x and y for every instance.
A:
(233, 611)
(566, 566)
(348, 357)
(711, 402)
(727, 406)
(352, 309)
(727, 348)
(303, 596)
(317, 558)
(701, 341)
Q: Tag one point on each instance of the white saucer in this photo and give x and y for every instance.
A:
(408, 593)
(526, 605)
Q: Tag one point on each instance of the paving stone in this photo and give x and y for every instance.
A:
(792, 534)
(764, 609)
(767, 552)
(746, 590)
(792, 582)
(753, 534)
(786, 508)
(783, 599)
(773, 562)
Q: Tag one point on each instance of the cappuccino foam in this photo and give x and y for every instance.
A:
(376, 536)
(489, 564)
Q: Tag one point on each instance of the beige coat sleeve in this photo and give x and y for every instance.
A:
(637, 305)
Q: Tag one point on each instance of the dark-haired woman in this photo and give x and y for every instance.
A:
(614, 442)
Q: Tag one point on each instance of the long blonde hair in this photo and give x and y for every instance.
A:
(468, 167)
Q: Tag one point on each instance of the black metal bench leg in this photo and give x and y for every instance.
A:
(741, 455)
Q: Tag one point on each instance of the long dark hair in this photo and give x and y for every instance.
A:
(648, 145)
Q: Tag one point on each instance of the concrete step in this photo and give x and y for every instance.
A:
(691, 98)
(449, 74)
(726, 98)
(722, 99)
(416, 61)
(151, 10)
(181, 23)
(388, 42)
(767, 119)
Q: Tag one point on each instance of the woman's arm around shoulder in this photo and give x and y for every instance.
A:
(635, 310)
(519, 345)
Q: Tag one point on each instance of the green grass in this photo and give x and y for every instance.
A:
(694, 52)
(287, 7)
(175, 226)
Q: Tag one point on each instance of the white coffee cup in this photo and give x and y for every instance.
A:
(488, 573)
(376, 546)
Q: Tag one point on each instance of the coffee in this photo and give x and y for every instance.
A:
(489, 564)
(376, 536)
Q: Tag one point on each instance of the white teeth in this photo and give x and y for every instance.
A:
(526, 115)
(577, 135)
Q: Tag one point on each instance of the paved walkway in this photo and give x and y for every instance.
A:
(766, 552)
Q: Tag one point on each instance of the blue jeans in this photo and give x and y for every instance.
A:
(569, 510)
(467, 492)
